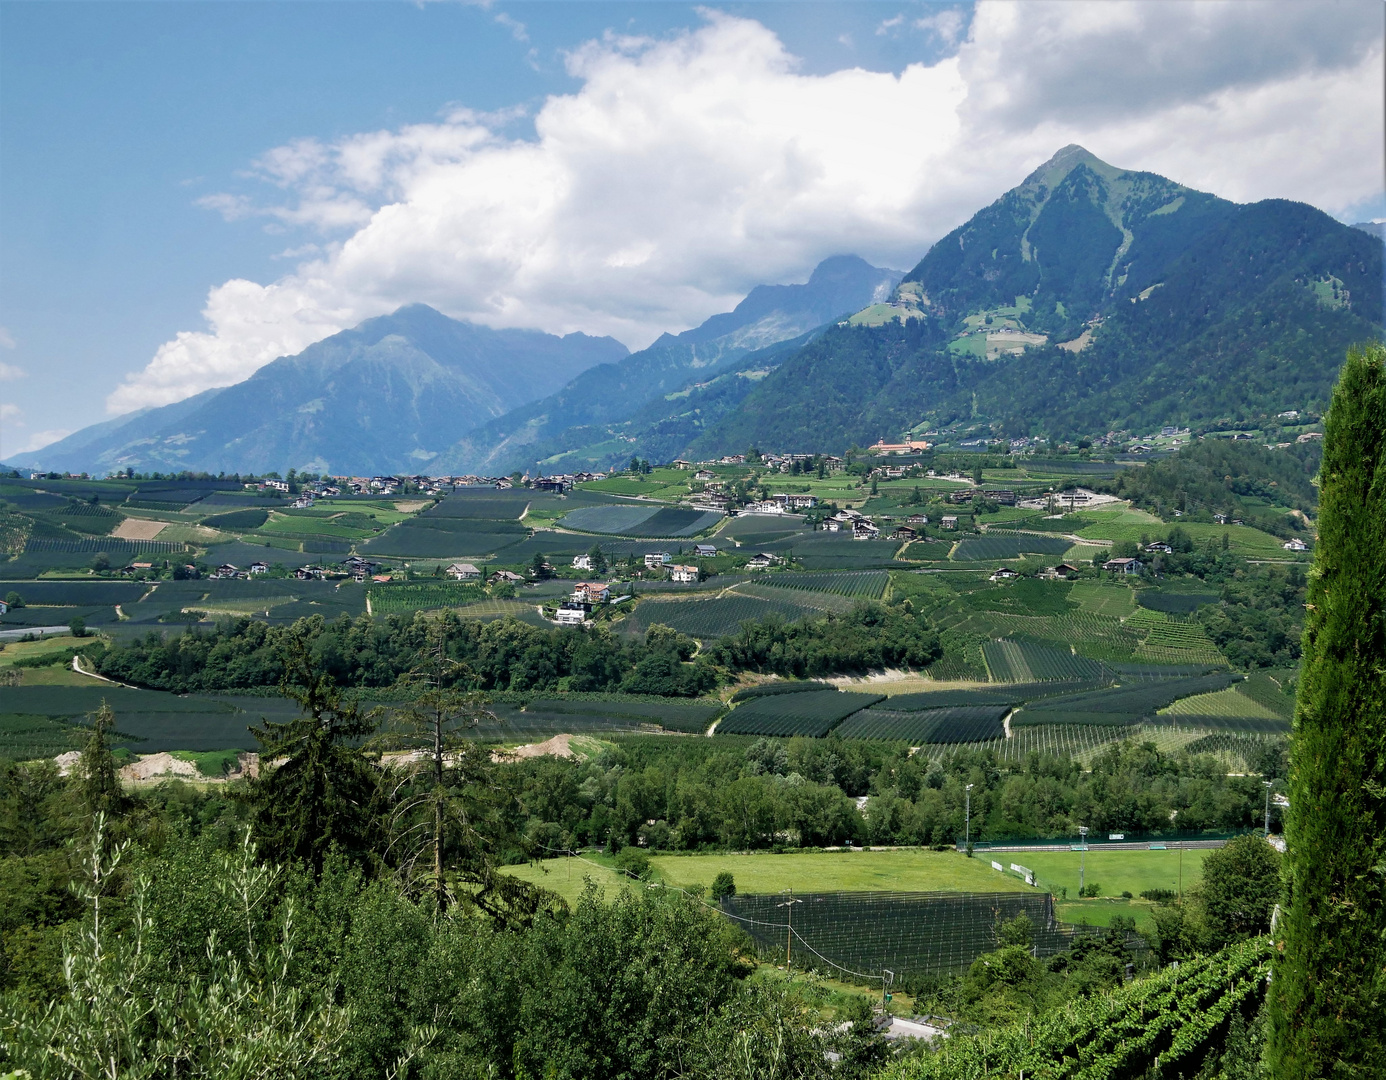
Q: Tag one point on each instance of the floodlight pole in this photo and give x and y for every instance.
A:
(967, 826)
(789, 931)
(1082, 858)
(1268, 790)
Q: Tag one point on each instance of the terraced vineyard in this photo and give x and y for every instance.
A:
(689, 717)
(710, 619)
(1028, 661)
(640, 520)
(1119, 705)
(957, 724)
(785, 715)
(1012, 546)
(395, 599)
(862, 584)
(1171, 641)
(816, 601)
(1174, 603)
(1099, 599)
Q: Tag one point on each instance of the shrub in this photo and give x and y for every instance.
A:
(634, 862)
(723, 885)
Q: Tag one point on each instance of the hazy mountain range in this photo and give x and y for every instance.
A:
(1086, 298)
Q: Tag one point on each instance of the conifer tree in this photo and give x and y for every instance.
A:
(101, 789)
(1328, 990)
(317, 789)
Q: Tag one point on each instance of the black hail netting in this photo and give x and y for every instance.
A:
(920, 933)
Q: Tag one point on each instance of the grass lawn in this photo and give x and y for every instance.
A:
(1100, 599)
(17, 650)
(1102, 912)
(1114, 871)
(856, 871)
(1133, 524)
(567, 877)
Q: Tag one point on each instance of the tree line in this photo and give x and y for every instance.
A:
(373, 652)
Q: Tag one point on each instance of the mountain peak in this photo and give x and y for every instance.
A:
(1064, 162)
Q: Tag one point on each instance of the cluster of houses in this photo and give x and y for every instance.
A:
(229, 571)
(774, 462)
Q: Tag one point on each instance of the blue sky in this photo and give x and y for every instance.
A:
(181, 182)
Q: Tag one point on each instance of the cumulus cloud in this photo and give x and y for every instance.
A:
(684, 171)
(6, 338)
(10, 372)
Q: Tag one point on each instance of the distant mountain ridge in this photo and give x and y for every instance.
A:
(588, 423)
(1088, 298)
(386, 396)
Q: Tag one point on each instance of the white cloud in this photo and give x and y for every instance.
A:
(12, 433)
(39, 439)
(10, 372)
(6, 338)
(684, 171)
(947, 24)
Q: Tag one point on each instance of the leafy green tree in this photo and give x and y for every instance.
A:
(1328, 991)
(598, 559)
(117, 1018)
(723, 885)
(77, 626)
(1241, 884)
(317, 788)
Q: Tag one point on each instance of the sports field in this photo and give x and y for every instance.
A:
(1115, 871)
(833, 871)
(891, 871)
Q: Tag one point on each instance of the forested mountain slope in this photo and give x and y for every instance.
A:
(1083, 300)
(603, 414)
(386, 396)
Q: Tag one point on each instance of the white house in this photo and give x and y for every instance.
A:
(1123, 566)
(591, 592)
(1004, 574)
(657, 559)
(704, 551)
(1295, 544)
(572, 613)
(582, 562)
(688, 575)
(949, 522)
(463, 571)
(762, 561)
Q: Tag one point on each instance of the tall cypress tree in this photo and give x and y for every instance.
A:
(1328, 991)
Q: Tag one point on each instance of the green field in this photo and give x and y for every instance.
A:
(1115, 871)
(567, 877)
(846, 871)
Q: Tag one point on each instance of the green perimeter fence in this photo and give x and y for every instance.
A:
(864, 934)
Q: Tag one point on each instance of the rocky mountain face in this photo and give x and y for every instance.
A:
(653, 401)
(1086, 299)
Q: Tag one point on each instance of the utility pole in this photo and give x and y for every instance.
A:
(967, 826)
(789, 932)
(1181, 872)
(1082, 858)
